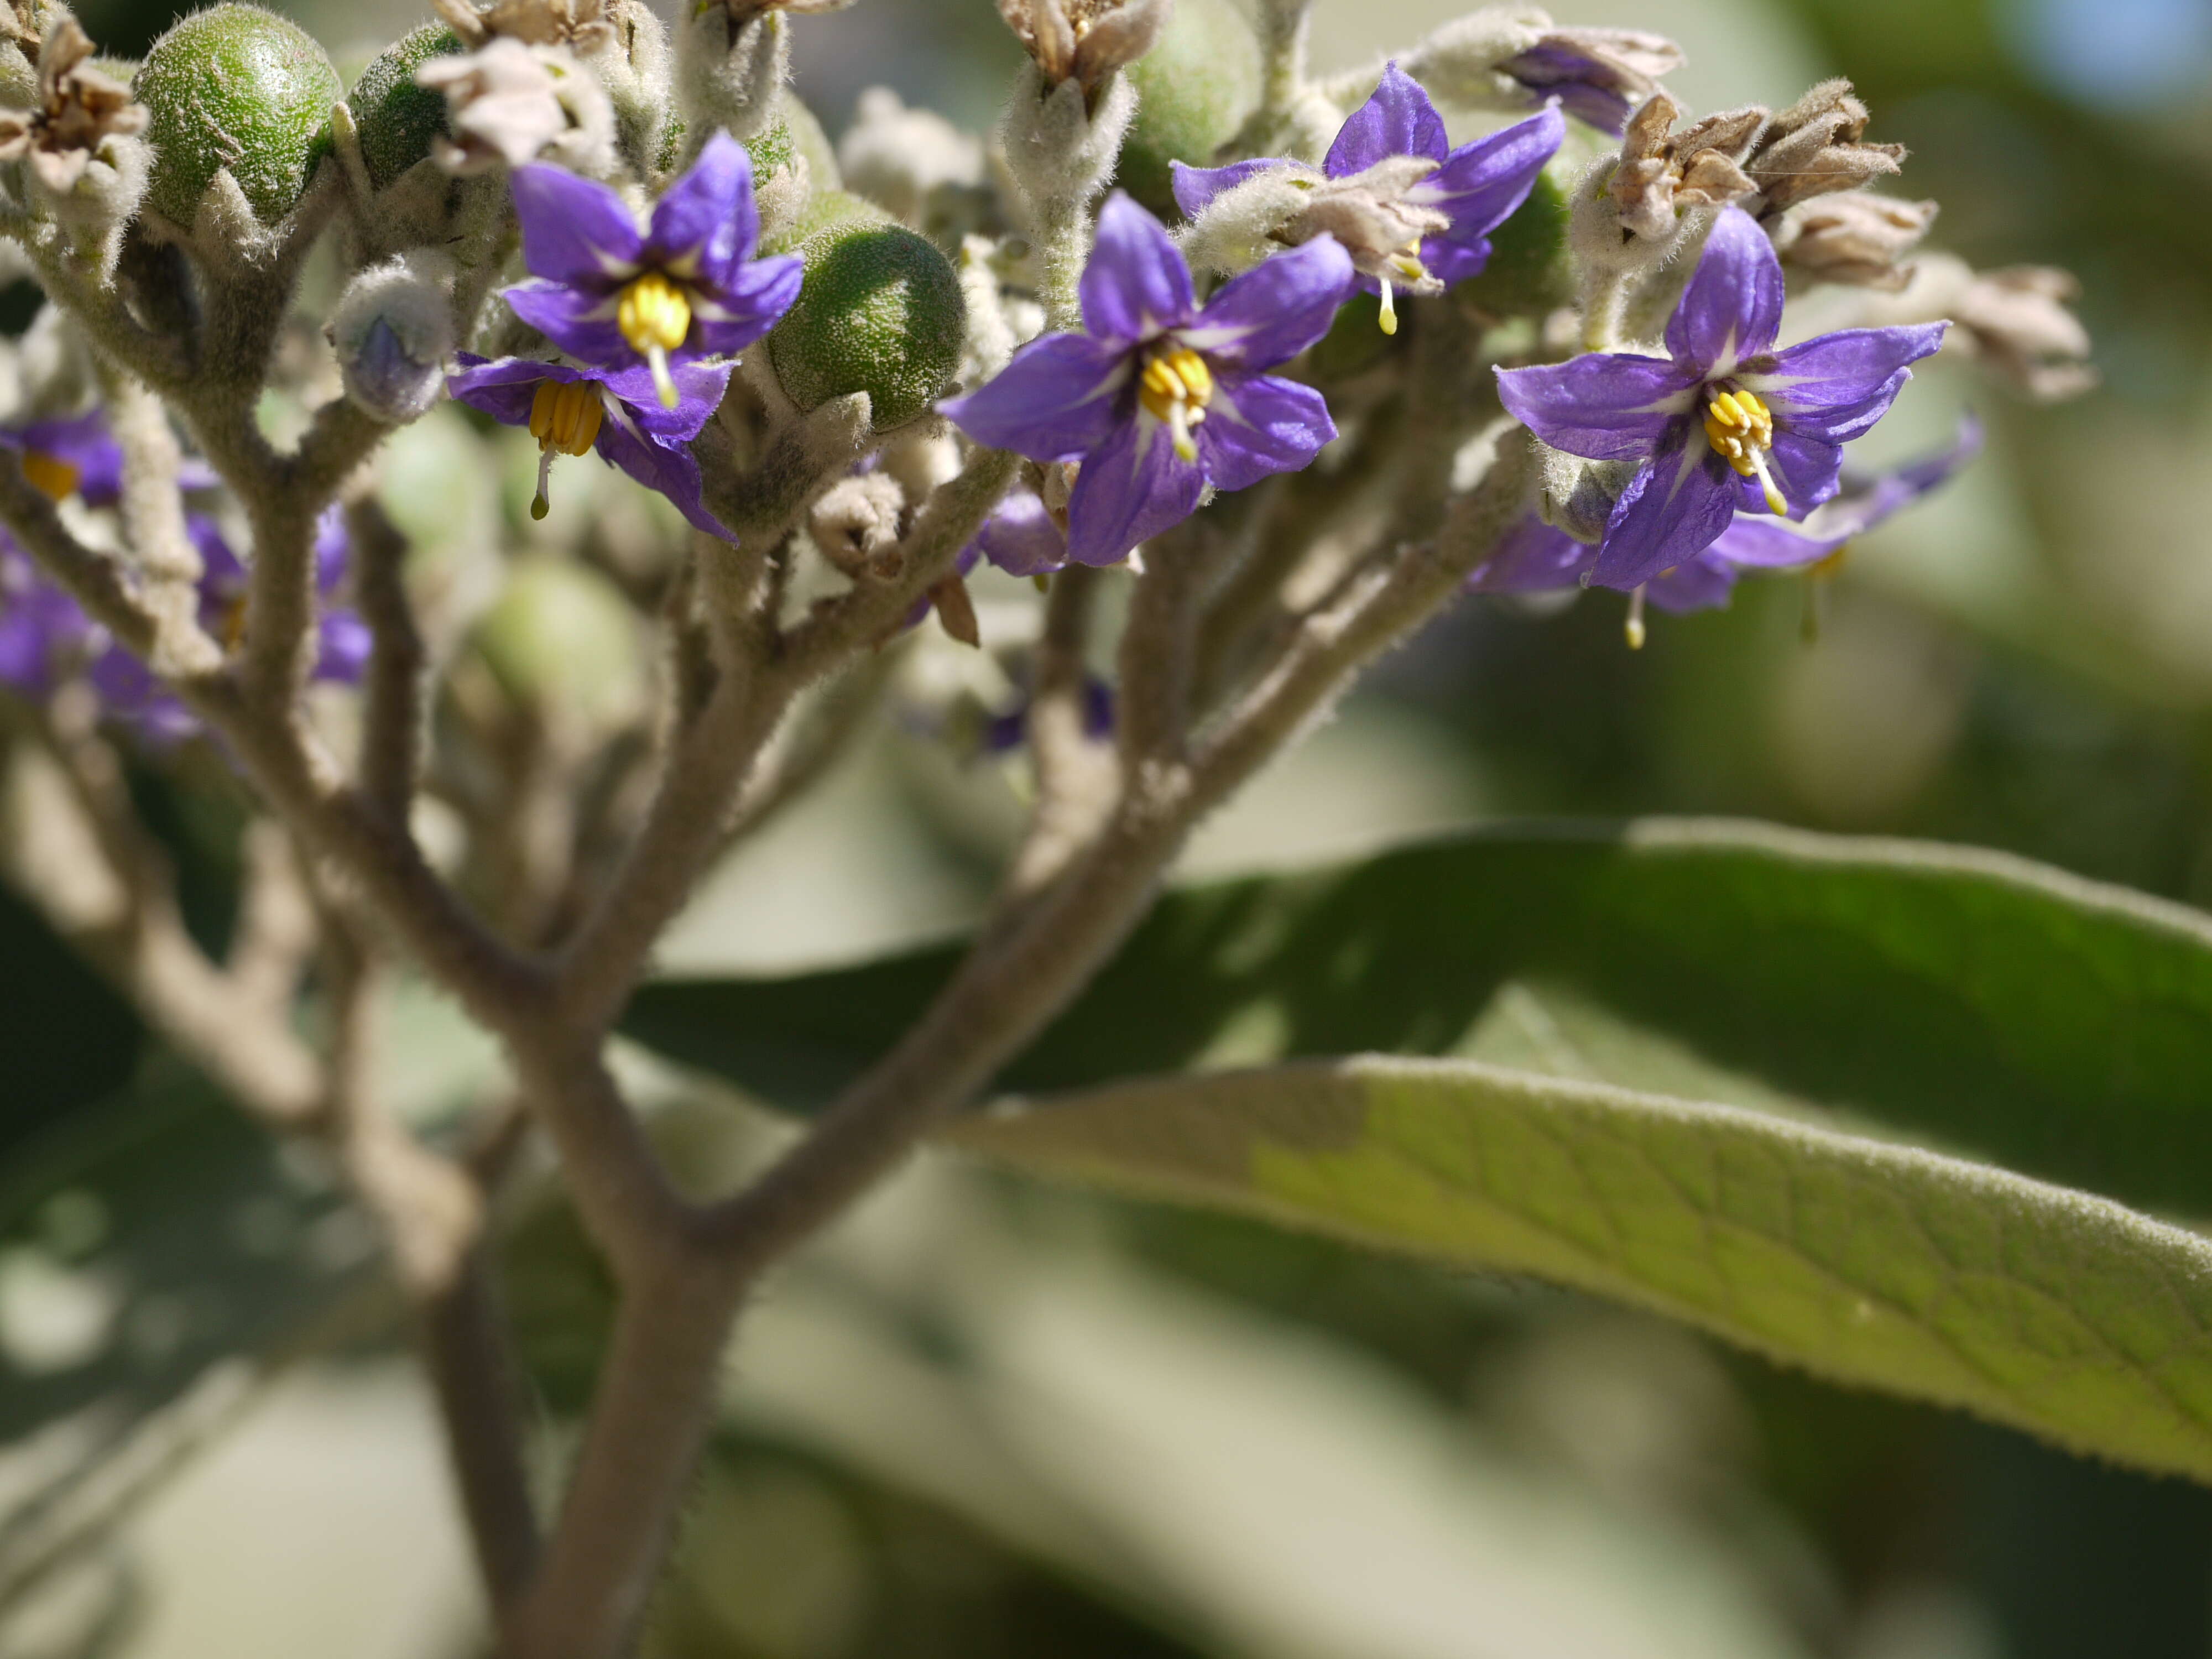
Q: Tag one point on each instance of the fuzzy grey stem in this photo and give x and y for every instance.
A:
(391, 718)
(1284, 26)
(1076, 778)
(473, 1369)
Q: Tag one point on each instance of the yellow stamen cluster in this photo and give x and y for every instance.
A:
(654, 315)
(1175, 387)
(1740, 429)
(564, 417)
(51, 476)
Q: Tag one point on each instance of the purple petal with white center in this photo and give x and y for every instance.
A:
(699, 390)
(1606, 406)
(574, 230)
(1020, 537)
(1259, 425)
(1674, 509)
(728, 320)
(1136, 286)
(505, 387)
(1705, 583)
(342, 644)
(581, 321)
(1052, 403)
(1131, 487)
(668, 468)
(1805, 468)
(706, 225)
(1196, 187)
(1481, 185)
(1275, 310)
(1398, 120)
(1533, 557)
(1733, 304)
(1836, 385)
(1764, 541)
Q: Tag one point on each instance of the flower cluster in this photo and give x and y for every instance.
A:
(651, 317)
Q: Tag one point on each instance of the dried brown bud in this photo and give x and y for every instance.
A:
(79, 110)
(1813, 148)
(856, 522)
(1085, 40)
(503, 104)
(2016, 323)
(19, 22)
(1663, 170)
(582, 26)
(1857, 237)
(1368, 214)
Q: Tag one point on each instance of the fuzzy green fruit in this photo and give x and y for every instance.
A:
(398, 119)
(1194, 90)
(879, 312)
(239, 88)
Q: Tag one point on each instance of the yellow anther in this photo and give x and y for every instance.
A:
(1175, 387)
(564, 417)
(654, 315)
(51, 476)
(653, 312)
(565, 414)
(1740, 429)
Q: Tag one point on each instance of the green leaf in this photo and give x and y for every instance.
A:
(1877, 1265)
(1963, 999)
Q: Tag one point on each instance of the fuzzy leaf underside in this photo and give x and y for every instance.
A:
(1873, 1264)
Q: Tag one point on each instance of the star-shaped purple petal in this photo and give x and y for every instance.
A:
(1161, 398)
(1723, 423)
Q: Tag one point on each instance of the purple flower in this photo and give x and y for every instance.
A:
(685, 288)
(1533, 557)
(1158, 398)
(76, 455)
(1723, 422)
(1412, 211)
(1020, 537)
(130, 693)
(569, 410)
(42, 630)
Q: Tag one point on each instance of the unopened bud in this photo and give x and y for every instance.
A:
(1576, 495)
(393, 332)
(1058, 146)
(730, 71)
(856, 522)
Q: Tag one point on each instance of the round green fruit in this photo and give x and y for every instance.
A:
(1194, 88)
(398, 119)
(239, 87)
(879, 312)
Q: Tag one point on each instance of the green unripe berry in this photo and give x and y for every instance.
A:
(398, 119)
(1194, 88)
(239, 87)
(879, 312)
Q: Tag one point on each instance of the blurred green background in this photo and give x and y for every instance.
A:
(984, 1420)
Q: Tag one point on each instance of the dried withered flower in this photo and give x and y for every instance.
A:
(1085, 40)
(582, 26)
(502, 102)
(1813, 148)
(79, 110)
(1663, 170)
(1855, 237)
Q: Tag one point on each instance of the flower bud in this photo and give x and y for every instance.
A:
(1195, 87)
(396, 116)
(880, 313)
(1059, 147)
(1576, 495)
(239, 91)
(393, 332)
(729, 70)
(856, 522)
